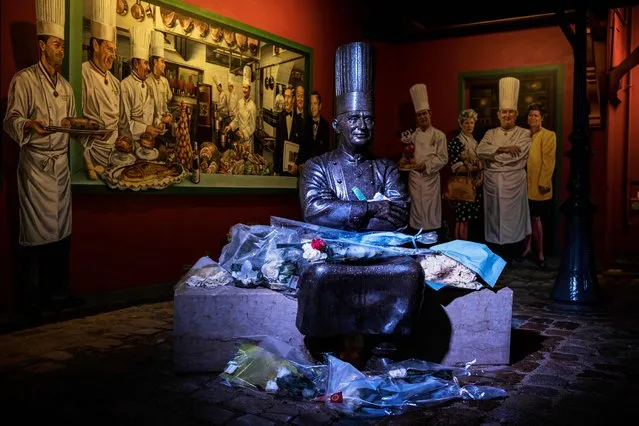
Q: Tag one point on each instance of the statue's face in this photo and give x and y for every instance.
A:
(355, 126)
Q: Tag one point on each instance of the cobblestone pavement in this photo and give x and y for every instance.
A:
(568, 367)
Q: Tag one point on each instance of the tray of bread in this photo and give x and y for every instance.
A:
(143, 175)
(79, 126)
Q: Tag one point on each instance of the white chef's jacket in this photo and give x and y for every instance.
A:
(101, 102)
(137, 102)
(162, 95)
(431, 149)
(223, 105)
(245, 120)
(506, 213)
(44, 181)
(232, 103)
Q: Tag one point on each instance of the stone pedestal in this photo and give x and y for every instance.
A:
(481, 324)
(210, 324)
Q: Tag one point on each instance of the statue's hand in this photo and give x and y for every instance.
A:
(393, 212)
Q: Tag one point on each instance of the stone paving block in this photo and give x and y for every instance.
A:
(251, 420)
(44, 367)
(210, 324)
(481, 327)
(212, 414)
(58, 356)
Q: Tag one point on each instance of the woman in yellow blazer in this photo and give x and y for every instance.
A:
(541, 165)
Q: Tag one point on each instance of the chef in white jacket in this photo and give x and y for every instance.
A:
(137, 97)
(39, 97)
(431, 155)
(101, 90)
(245, 122)
(505, 150)
(232, 98)
(159, 84)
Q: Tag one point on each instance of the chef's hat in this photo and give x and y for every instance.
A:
(230, 81)
(50, 18)
(354, 77)
(217, 80)
(103, 20)
(140, 40)
(508, 93)
(419, 95)
(246, 76)
(157, 44)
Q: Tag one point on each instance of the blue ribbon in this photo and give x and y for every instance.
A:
(414, 238)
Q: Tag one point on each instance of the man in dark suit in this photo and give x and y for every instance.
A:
(288, 129)
(317, 133)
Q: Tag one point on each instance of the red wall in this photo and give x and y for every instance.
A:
(623, 142)
(128, 240)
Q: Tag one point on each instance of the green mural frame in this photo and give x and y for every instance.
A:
(209, 184)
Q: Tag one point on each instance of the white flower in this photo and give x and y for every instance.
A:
(311, 254)
(442, 269)
(247, 275)
(359, 252)
(271, 270)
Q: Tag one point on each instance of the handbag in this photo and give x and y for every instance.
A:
(460, 188)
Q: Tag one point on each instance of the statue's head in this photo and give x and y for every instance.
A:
(354, 93)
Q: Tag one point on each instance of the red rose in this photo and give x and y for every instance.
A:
(318, 244)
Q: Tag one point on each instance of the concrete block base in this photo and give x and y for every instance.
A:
(481, 325)
(210, 325)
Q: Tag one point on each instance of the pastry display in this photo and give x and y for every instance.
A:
(145, 174)
(147, 141)
(123, 144)
(78, 123)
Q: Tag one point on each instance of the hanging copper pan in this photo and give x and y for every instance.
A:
(254, 46)
(202, 28)
(122, 8)
(137, 11)
(271, 81)
(217, 34)
(168, 18)
(242, 42)
(187, 23)
(229, 38)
